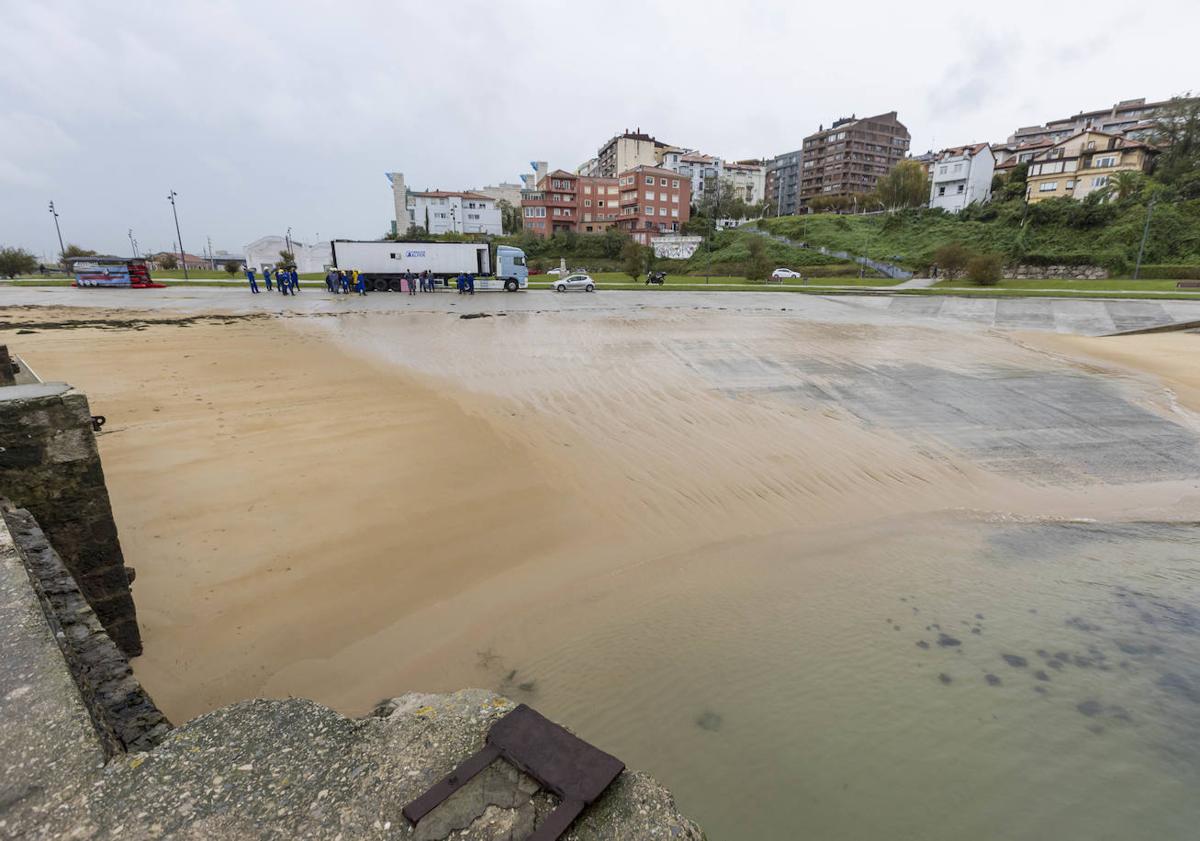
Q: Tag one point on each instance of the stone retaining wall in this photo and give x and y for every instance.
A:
(49, 464)
(1027, 272)
(125, 717)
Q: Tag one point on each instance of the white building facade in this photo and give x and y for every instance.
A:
(961, 176)
(443, 211)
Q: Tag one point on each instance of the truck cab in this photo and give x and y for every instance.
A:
(510, 265)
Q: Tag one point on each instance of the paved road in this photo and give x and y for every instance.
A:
(1064, 315)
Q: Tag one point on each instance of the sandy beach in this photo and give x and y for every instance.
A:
(350, 506)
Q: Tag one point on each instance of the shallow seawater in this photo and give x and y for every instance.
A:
(944, 678)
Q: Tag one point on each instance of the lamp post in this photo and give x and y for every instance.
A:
(182, 258)
(287, 241)
(132, 242)
(1145, 233)
(62, 250)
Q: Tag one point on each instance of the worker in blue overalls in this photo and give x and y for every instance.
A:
(360, 283)
(470, 284)
(294, 276)
(253, 282)
(267, 276)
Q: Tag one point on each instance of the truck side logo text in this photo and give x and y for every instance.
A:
(414, 253)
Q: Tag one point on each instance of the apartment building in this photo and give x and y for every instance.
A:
(564, 201)
(748, 179)
(444, 211)
(781, 184)
(1129, 115)
(1083, 163)
(961, 176)
(654, 201)
(627, 150)
(850, 157)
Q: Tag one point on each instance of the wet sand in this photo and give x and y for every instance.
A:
(680, 531)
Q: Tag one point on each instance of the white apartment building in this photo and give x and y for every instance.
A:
(961, 176)
(443, 212)
(747, 179)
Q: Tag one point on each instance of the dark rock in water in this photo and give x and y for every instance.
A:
(936, 626)
(976, 630)
(928, 627)
(944, 678)
(1015, 660)
(26, 332)
(709, 720)
(1083, 662)
(889, 621)
(527, 686)
(1062, 655)
(946, 641)
(904, 598)
(1043, 653)
(1179, 685)
(1055, 664)
(1040, 675)
(476, 315)
(1120, 714)
(1041, 690)
(979, 616)
(1081, 624)
(895, 627)
(1091, 708)
(991, 679)
(922, 644)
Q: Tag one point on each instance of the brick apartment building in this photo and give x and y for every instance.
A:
(644, 201)
(564, 201)
(849, 157)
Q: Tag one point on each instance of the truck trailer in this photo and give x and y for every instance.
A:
(382, 264)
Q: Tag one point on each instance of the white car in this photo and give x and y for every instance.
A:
(575, 282)
(780, 274)
(553, 271)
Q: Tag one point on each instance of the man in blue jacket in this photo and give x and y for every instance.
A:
(267, 276)
(253, 282)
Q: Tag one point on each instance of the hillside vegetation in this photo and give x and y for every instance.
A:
(726, 253)
(1054, 232)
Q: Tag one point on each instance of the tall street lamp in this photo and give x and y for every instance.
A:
(182, 259)
(62, 250)
(1145, 233)
(133, 243)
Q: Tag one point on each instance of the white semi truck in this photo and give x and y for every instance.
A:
(382, 265)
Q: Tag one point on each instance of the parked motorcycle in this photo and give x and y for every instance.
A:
(655, 277)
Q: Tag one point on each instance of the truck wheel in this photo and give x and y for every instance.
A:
(510, 285)
(381, 285)
(394, 284)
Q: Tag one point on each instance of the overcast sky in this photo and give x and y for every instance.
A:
(264, 115)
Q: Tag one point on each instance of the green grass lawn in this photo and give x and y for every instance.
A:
(675, 281)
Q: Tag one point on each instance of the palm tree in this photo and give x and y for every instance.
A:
(1122, 186)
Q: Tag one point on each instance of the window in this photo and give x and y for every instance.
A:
(1100, 181)
(650, 180)
(675, 183)
(662, 211)
(675, 212)
(649, 195)
(958, 167)
(1091, 145)
(587, 188)
(587, 202)
(960, 188)
(649, 210)
(612, 191)
(474, 217)
(1071, 184)
(675, 198)
(1107, 160)
(662, 196)
(558, 211)
(599, 202)
(1047, 186)
(941, 191)
(662, 182)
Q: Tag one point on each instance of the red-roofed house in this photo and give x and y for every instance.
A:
(1084, 162)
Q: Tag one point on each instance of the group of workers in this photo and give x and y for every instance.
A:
(286, 280)
(343, 281)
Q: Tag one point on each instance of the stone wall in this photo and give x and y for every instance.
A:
(49, 464)
(1027, 272)
(125, 717)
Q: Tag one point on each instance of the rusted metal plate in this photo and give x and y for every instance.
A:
(574, 770)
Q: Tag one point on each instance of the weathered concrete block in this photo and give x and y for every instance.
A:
(49, 464)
